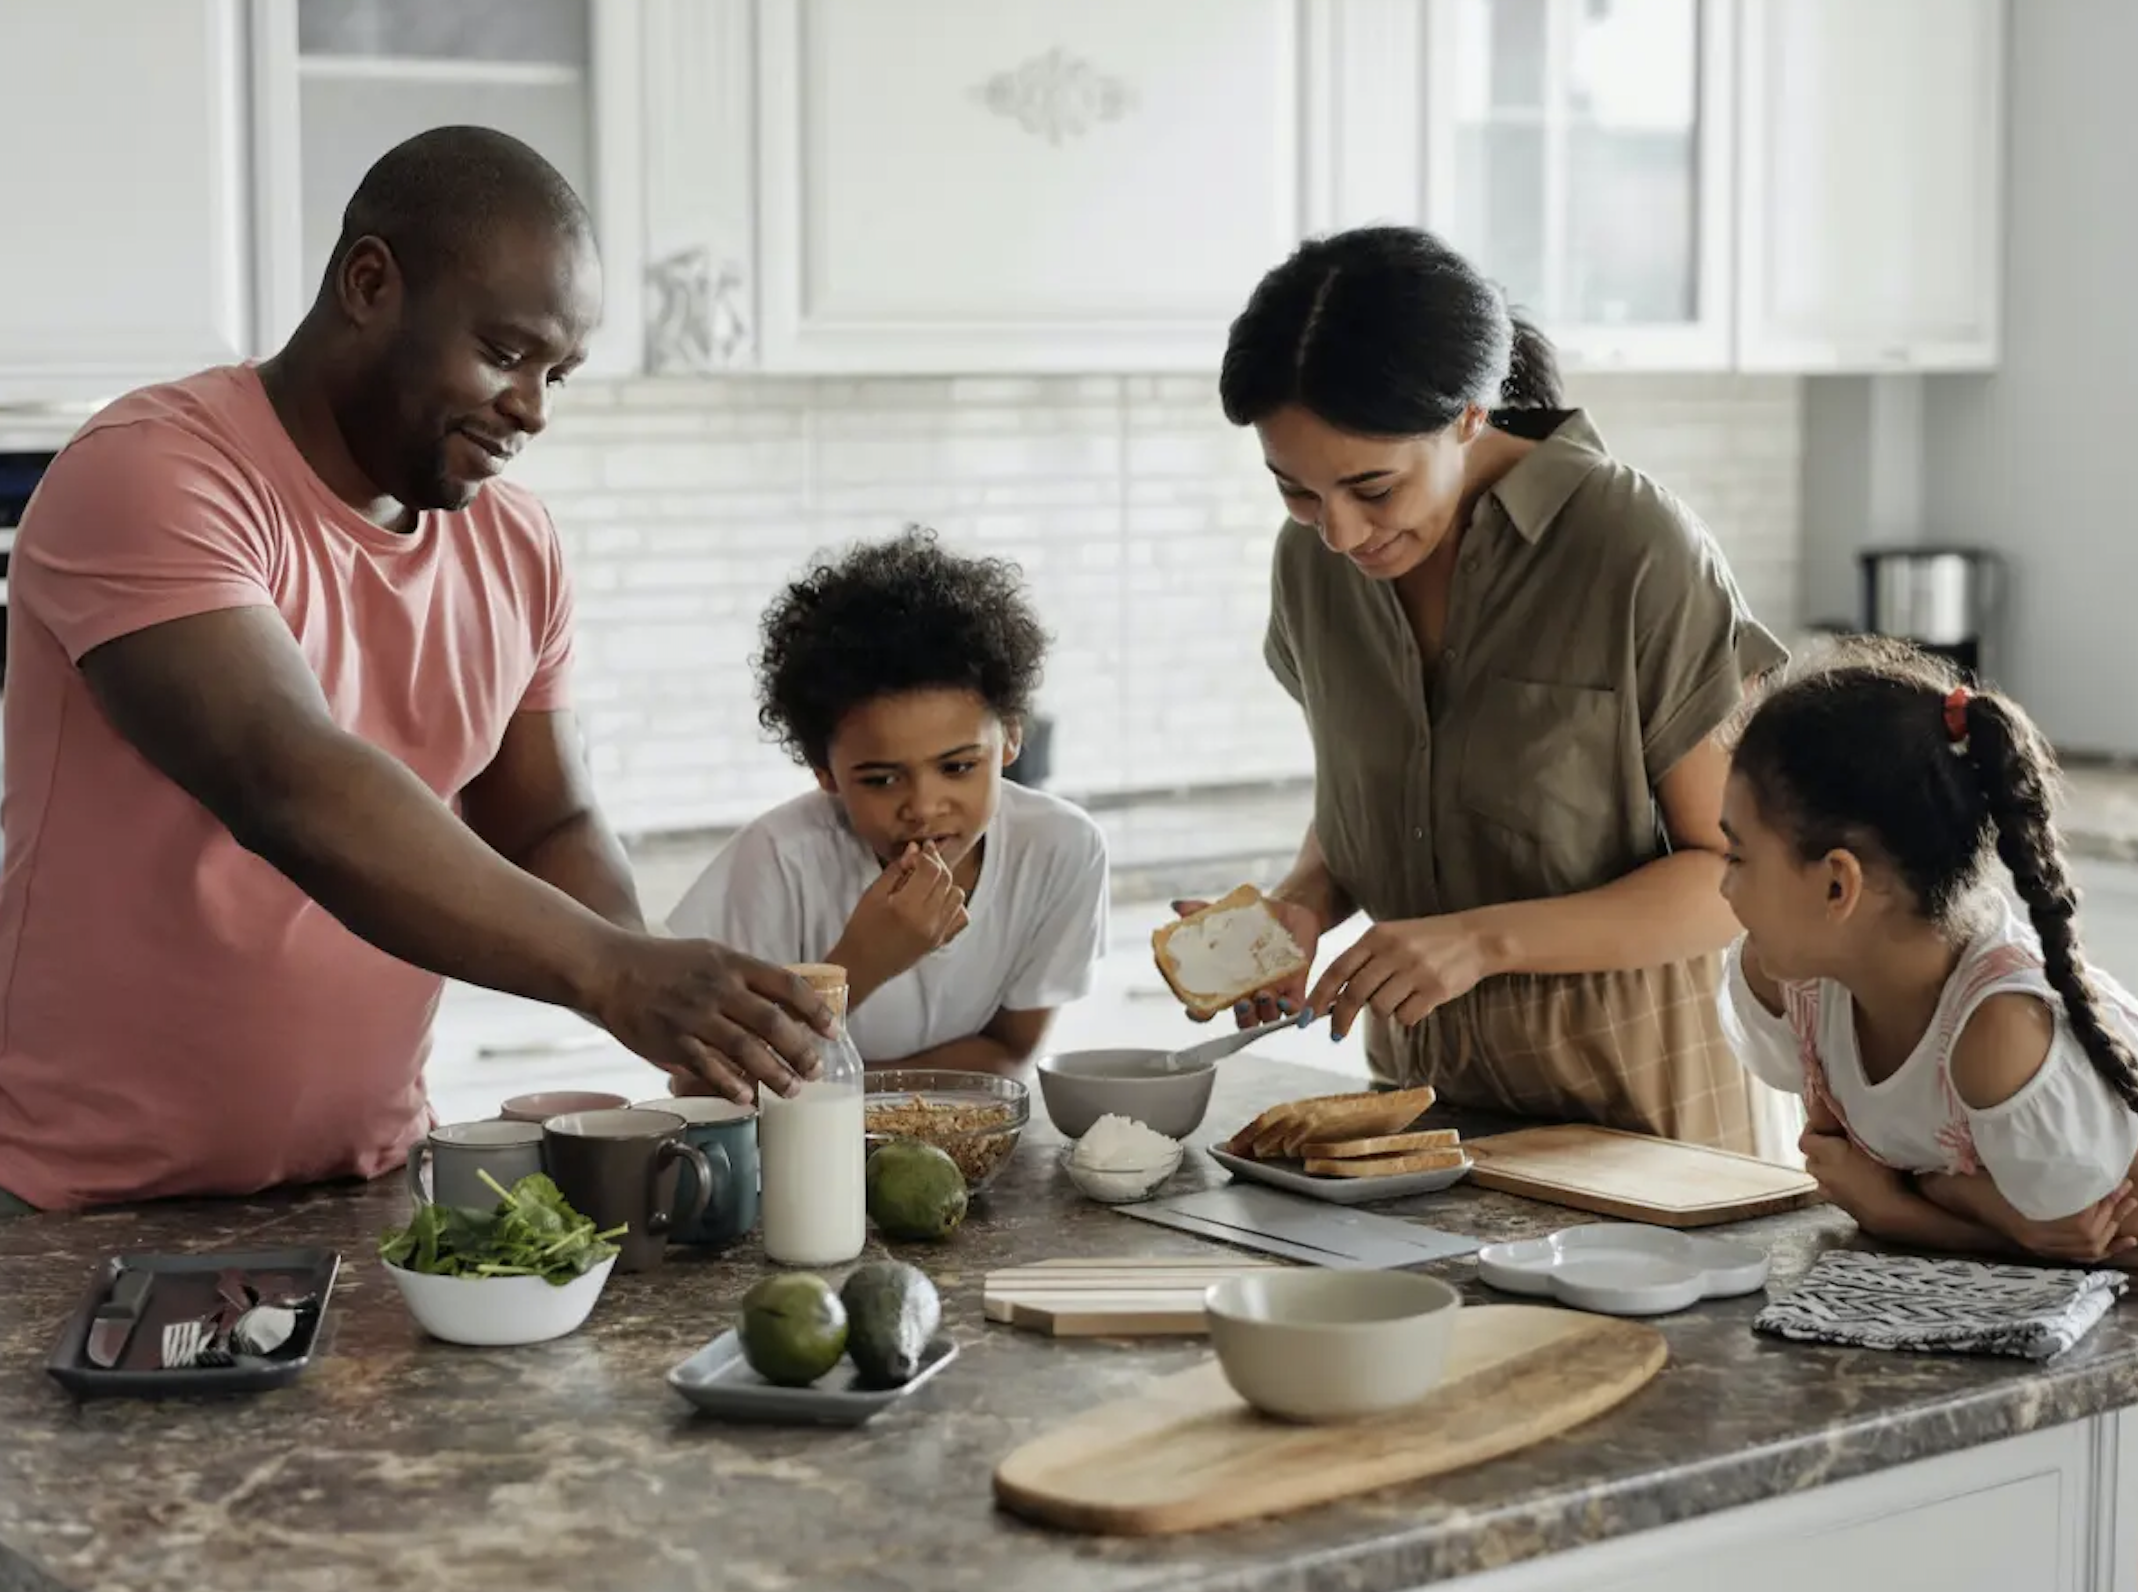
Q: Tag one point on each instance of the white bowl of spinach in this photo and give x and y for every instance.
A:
(526, 1271)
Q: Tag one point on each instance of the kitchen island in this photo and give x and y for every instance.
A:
(401, 1463)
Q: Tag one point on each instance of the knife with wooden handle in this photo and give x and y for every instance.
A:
(112, 1327)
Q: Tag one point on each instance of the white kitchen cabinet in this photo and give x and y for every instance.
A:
(2051, 1511)
(1579, 151)
(129, 258)
(1872, 136)
(952, 185)
(339, 82)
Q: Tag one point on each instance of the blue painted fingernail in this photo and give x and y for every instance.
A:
(1336, 1034)
(1239, 1008)
(1284, 1008)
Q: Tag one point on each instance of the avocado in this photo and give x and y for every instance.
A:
(915, 1191)
(892, 1312)
(793, 1328)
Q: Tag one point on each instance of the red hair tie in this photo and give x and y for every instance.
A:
(1956, 716)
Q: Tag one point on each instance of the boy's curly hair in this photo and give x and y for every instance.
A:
(890, 617)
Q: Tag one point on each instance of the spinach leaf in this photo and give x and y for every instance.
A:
(532, 1232)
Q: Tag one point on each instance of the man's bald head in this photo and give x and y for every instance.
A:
(461, 296)
(437, 199)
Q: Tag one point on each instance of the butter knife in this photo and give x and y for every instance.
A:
(112, 1327)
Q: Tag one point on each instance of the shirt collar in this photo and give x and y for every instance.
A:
(1568, 448)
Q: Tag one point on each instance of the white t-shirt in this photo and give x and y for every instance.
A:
(2057, 1146)
(783, 889)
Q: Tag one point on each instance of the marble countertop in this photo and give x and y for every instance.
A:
(401, 1463)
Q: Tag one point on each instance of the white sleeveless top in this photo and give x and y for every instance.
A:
(2060, 1144)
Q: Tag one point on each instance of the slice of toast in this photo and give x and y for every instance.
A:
(1230, 950)
(1385, 1165)
(1386, 1144)
(1365, 1116)
(1284, 1130)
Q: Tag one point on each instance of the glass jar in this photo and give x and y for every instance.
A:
(812, 1148)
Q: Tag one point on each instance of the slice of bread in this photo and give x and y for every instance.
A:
(1386, 1144)
(1385, 1165)
(1285, 1130)
(1360, 1116)
(1230, 950)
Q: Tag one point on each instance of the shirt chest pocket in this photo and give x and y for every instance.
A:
(1542, 759)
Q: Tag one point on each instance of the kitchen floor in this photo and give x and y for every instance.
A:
(489, 1046)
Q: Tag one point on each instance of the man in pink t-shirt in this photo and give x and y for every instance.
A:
(288, 735)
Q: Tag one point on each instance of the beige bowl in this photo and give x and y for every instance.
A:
(1080, 1086)
(1314, 1345)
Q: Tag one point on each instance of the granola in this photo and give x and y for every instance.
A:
(974, 1136)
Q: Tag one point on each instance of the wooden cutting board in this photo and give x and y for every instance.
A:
(1636, 1177)
(1188, 1454)
(1143, 1296)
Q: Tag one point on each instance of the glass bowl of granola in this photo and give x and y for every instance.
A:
(975, 1118)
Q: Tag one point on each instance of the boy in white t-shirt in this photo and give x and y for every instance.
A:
(965, 909)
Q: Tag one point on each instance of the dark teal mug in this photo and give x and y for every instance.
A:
(726, 1135)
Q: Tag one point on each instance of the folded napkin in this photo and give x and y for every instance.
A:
(1949, 1306)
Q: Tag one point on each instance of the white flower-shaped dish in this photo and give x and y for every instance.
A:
(1624, 1269)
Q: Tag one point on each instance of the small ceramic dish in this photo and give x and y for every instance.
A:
(1294, 1179)
(1624, 1269)
(718, 1380)
(1121, 1185)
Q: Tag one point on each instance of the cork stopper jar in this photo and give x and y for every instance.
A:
(828, 980)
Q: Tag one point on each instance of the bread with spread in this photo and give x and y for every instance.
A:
(1229, 950)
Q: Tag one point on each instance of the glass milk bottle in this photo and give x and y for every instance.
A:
(812, 1149)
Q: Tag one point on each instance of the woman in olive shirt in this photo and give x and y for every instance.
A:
(1514, 653)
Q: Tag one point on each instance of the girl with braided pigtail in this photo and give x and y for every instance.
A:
(1969, 1081)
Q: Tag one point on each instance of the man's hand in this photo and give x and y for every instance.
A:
(711, 1017)
(910, 909)
(1279, 1000)
(1403, 970)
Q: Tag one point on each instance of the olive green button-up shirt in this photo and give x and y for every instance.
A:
(1594, 637)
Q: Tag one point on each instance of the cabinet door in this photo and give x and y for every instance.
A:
(2035, 1511)
(1873, 182)
(957, 185)
(129, 248)
(1579, 152)
(346, 80)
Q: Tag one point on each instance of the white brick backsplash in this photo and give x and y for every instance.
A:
(1143, 522)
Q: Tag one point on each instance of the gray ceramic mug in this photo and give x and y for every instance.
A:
(628, 1169)
(726, 1135)
(458, 1152)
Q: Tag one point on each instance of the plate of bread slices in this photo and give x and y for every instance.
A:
(1348, 1148)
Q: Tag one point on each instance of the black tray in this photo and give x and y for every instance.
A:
(184, 1287)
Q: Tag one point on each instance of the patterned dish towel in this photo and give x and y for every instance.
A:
(1950, 1306)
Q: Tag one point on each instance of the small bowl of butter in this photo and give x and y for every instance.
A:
(1119, 1161)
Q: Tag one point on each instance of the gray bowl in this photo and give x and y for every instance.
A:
(1080, 1086)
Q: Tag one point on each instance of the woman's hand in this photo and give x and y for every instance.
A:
(1868, 1190)
(1403, 970)
(1290, 997)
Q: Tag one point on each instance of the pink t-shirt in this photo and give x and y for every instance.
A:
(176, 1017)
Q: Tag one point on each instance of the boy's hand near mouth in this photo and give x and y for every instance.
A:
(913, 908)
